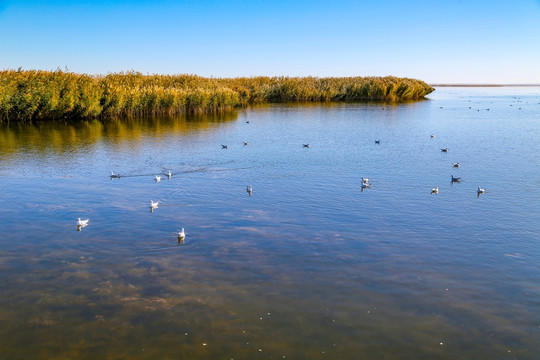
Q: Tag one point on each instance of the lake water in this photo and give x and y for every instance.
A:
(311, 266)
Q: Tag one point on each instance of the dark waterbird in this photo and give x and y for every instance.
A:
(444, 150)
(377, 141)
(456, 165)
(306, 145)
(224, 146)
(455, 179)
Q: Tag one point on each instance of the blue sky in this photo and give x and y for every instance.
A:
(436, 41)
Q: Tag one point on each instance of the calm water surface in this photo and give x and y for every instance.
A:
(308, 267)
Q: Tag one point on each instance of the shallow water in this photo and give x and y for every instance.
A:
(310, 266)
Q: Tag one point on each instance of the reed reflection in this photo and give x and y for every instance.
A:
(62, 137)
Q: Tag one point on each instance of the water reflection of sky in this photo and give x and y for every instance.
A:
(309, 266)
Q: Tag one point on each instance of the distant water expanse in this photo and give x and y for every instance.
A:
(310, 266)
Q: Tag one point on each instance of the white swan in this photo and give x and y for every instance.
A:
(157, 178)
(181, 235)
(480, 190)
(154, 205)
(82, 222)
(435, 190)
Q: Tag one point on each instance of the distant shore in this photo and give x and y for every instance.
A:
(47, 95)
(483, 85)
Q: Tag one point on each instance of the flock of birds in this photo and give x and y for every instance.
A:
(453, 178)
(157, 178)
(249, 189)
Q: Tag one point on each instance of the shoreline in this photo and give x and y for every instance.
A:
(47, 95)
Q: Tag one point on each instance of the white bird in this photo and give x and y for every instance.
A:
(157, 178)
(169, 175)
(181, 235)
(455, 179)
(456, 165)
(365, 180)
(154, 205)
(480, 190)
(82, 222)
(444, 150)
(249, 189)
(114, 176)
(435, 190)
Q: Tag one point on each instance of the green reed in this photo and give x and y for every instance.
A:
(37, 94)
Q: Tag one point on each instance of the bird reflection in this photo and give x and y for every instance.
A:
(79, 227)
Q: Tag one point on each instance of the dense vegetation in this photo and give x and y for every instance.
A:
(34, 95)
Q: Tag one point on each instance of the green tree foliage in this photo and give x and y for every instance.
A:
(35, 94)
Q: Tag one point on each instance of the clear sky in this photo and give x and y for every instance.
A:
(439, 41)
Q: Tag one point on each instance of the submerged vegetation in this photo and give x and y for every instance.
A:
(36, 94)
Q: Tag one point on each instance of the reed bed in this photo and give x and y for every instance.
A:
(36, 94)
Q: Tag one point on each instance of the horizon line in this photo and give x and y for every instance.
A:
(477, 85)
